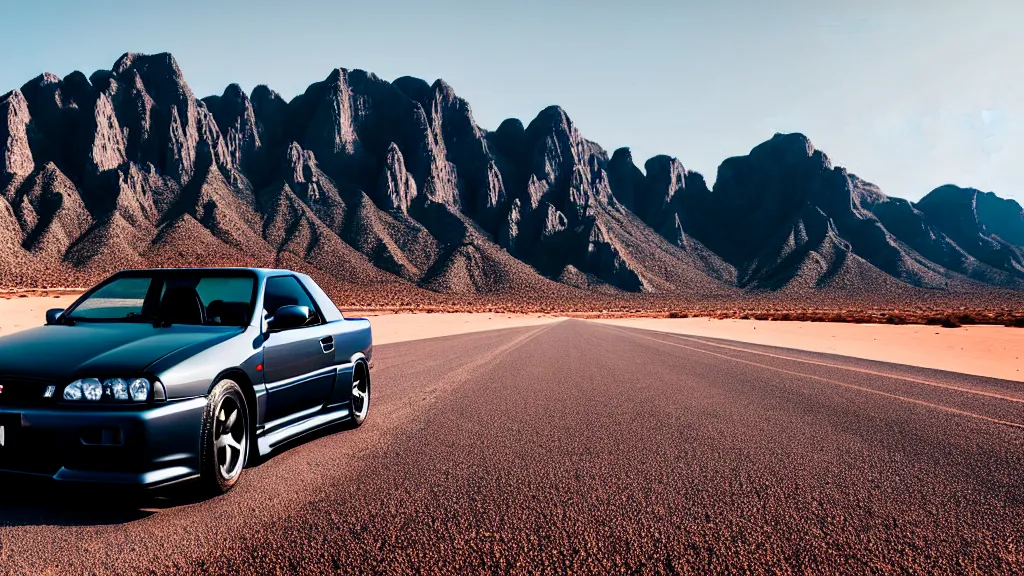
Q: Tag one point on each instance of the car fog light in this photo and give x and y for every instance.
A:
(139, 389)
(117, 388)
(73, 391)
(92, 389)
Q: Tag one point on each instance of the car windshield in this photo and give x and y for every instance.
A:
(170, 297)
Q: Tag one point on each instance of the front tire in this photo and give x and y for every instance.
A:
(225, 437)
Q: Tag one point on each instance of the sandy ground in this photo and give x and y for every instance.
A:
(993, 351)
(22, 313)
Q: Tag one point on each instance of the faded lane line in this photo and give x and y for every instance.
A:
(850, 368)
(460, 374)
(838, 383)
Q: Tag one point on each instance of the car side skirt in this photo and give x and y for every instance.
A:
(317, 418)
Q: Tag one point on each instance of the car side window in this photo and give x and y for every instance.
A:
(287, 291)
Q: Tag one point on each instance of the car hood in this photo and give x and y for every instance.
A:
(99, 349)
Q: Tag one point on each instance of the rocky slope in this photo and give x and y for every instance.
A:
(390, 193)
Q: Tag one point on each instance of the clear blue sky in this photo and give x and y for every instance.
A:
(908, 94)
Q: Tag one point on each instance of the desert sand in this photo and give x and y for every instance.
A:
(23, 313)
(27, 312)
(992, 351)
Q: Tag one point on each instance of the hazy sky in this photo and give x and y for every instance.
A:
(908, 94)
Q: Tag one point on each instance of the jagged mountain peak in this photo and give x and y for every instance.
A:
(664, 164)
(263, 93)
(234, 92)
(415, 89)
(623, 155)
(443, 90)
(793, 149)
(44, 79)
(163, 63)
(511, 126)
(551, 119)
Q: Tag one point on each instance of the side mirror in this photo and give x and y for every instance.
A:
(53, 315)
(289, 317)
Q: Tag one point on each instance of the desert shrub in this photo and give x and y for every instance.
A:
(1016, 322)
(950, 322)
(944, 321)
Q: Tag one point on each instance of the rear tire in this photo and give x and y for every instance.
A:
(225, 438)
(360, 405)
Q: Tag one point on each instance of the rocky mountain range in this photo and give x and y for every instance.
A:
(390, 193)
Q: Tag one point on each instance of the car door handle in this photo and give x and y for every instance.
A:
(327, 344)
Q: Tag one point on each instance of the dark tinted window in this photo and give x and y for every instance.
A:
(227, 300)
(287, 291)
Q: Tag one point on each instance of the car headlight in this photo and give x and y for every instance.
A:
(139, 389)
(73, 391)
(92, 389)
(116, 389)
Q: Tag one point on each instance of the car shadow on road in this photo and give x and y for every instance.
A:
(27, 501)
(45, 502)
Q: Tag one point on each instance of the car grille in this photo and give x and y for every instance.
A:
(26, 392)
(28, 450)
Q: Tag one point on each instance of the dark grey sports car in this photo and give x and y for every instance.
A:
(160, 376)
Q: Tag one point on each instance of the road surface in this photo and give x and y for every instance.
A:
(579, 447)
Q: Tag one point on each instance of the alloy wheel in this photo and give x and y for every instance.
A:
(360, 398)
(230, 437)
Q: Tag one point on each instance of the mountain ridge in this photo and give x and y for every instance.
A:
(390, 192)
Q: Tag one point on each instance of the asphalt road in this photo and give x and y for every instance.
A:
(579, 447)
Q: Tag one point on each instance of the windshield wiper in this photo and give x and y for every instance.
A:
(156, 321)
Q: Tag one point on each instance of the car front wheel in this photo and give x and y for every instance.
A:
(225, 437)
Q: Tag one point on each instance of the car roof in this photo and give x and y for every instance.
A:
(259, 272)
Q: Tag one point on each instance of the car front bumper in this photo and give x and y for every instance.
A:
(148, 447)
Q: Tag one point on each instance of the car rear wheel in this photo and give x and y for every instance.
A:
(225, 437)
(360, 394)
